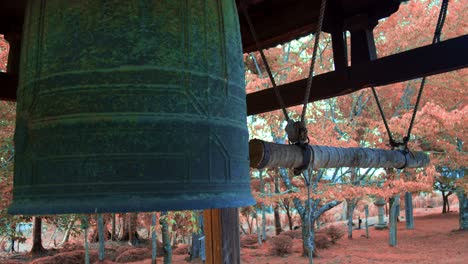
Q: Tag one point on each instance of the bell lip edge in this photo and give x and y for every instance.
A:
(38, 208)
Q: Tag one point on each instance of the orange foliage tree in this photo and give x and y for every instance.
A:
(354, 120)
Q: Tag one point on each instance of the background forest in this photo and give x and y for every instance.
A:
(343, 194)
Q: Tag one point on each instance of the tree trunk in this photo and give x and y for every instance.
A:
(290, 221)
(133, 237)
(84, 226)
(243, 229)
(12, 247)
(444, 205)
(366, 209)
(86, 245)
(311, 250)
(349, 214)
(306, 235)
(174, 236)
(263, 223)
(249, 223)
(394, 209)
(278, 228)
(113, 227)
(463, 217)
(154, 242)
(37, 248)
(95, 236)
(409, 211)
(259, 231)
(196, 242)
(165, 238)
(100, 226)
(124, 227)
(66, 236)
(130, 230)
(262, 190)
(448, 203)
(344, 212)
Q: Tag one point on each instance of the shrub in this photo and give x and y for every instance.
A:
(248, 240)
(334, 233)
(280, 245)
(322, 241)
(294, 234)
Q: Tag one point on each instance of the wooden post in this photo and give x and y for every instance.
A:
(222, 236)
(366, 209)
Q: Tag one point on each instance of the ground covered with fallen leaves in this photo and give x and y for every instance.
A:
(434, 240)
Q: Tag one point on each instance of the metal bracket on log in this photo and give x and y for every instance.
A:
(271, 155)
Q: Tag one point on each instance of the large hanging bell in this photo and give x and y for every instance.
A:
(130, 106)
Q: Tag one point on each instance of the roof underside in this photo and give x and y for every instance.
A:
(280, 21)
(275, 21)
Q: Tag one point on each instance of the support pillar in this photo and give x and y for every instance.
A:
(222, 236)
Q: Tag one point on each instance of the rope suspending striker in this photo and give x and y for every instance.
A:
(403, 145)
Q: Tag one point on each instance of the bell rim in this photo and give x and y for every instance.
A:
(128, 204)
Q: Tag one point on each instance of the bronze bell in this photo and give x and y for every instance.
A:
(130, 106)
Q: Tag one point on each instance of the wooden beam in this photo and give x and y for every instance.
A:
(428, 60)
(340, 53)
(433, 59)
(362, 46)
(222, 241)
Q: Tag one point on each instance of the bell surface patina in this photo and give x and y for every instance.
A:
(127, 106)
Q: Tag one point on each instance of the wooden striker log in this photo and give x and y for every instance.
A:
(270, 155)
